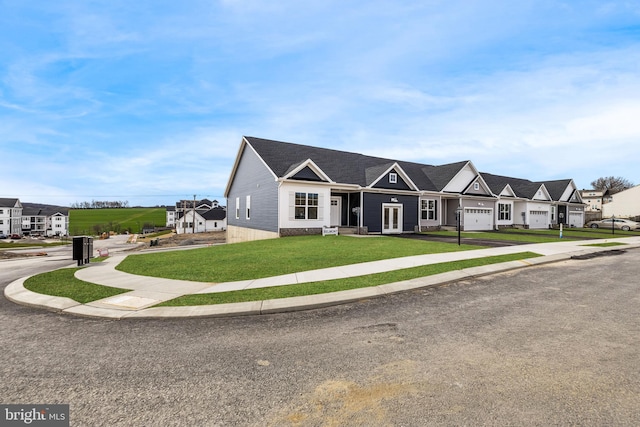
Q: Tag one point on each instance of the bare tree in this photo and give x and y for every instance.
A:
(612, 184)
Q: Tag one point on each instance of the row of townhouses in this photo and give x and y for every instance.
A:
(197, 216)
(280, 189)
(32, 219)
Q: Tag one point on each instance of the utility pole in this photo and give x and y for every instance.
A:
(193, 224)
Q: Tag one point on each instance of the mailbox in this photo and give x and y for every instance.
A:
(82, 249)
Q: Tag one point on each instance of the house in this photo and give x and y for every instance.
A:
(568, 207)
(45, 220)
(282, 189)
(536, 205)
(197, 216)
(625, 204)
(10, 216)
(33, 219)
(593, 200)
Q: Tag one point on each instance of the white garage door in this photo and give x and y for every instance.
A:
(538, 219)
(478, 219)
(576, 219)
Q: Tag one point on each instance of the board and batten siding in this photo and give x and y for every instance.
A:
(253, 181)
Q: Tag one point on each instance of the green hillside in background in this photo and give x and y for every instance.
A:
(119, 220)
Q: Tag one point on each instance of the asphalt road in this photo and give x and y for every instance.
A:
(550, 345)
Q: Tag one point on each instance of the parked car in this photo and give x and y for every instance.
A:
(15, 237)
(620, 224)
(3, 236)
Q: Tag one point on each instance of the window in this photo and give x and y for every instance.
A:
(504, 210)
(248, 212)
(476, 186)
(237, 207)
(553, 213)
(306, 206)
(393, 178)
(429, 209)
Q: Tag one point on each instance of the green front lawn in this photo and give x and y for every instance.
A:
(274, 257)
(327, 286)
(536, 236)
(63, 283)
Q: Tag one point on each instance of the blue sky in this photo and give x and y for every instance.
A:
(147, 101)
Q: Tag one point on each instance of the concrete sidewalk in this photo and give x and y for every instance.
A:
(145, 292)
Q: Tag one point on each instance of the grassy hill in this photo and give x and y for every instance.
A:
(96, 221)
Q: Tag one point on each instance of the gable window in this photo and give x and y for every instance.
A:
(429, 209)
(306, 206)
(476, 186)
(504, 210)
(393, 178)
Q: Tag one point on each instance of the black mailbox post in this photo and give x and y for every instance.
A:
(82, 249)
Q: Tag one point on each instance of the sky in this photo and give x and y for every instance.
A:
(147, 101)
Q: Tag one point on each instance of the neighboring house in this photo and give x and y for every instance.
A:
(33, 218)
(199, 216)
(58, 223)
(592, 199)
(280, 189)
(45, 220)
(568, 207)
(10, 216)
(173, 212)
(625, 204)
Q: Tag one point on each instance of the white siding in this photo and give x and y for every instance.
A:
(286, 199)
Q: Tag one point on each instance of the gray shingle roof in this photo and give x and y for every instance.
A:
(341, 166)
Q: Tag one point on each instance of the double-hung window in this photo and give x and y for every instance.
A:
(504, 210)
(306, 206)
(429, 209)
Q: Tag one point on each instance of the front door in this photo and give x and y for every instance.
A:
(335, 212)
(391, 219)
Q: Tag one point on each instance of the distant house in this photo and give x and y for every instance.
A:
(45, 220)
(593, 200)
(625, 204)
(197, 216)
(282, 189)
(33, 218)
(10, 216)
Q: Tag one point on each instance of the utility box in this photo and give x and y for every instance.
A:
(82, 249)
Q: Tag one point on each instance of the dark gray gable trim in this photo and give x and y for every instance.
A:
(306, 174)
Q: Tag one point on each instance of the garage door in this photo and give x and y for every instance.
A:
(538, 219)
(478, 219)
(576, 219)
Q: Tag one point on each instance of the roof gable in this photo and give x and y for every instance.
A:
(385, 179)
(307, 171)
(478, 187)
(462, 179)
(507, 191)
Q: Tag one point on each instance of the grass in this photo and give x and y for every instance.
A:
(94, 221)
(327, 286)
(274, 257)
(537, 236)
(606, 244)
(63, 283)
(15, 245)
